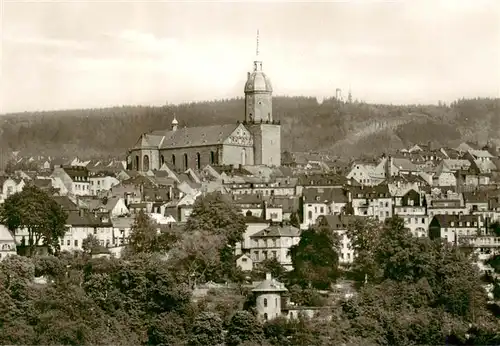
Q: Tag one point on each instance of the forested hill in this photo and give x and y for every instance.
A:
(344, 129)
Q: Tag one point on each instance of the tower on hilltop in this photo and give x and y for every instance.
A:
(258, 93)
(259, 116)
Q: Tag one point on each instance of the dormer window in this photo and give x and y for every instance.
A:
(317, 198)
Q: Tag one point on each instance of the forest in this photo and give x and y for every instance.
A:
(410, 291)
(337, 128)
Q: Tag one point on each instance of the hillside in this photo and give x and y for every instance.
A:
(342, 129)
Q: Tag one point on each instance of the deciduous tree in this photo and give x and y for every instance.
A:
(34, 210)
(143, 235)
(315, 258)
(207, 329)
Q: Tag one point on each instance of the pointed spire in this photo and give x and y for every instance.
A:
(257, 64)
(257, 51)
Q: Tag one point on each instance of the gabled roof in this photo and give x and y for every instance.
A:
(66, 203)
(338, 222)
(324, 195)
(458, 220)
(76, 218)
(481, 154)
(371, 191)
(476, 197)
(187, 137)
(404, 164)
(322, 180)
(270, 285)
(278, 231)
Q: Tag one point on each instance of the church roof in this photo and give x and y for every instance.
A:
(187, 137)
(257, 81)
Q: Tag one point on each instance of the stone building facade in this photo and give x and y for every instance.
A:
(254, 141)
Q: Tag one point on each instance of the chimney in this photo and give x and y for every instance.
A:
(268, 276)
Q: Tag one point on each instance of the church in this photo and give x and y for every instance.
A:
(256, 140)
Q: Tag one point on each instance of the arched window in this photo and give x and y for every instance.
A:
(243, 157)
(145, 163)
(162, 160)
(212, 157)
(265, 316)
(198, 161)
(265, 302)
(136, 165)
(173, 160)
(185, 161)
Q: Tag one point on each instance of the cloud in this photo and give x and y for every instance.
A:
(146, 41)
(44, 42)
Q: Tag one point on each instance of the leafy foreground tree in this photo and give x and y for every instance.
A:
(315, 258)
(220, 225)
(34, 210)
(424, 292)
(207, 330)
(244, 328)
(143, 235)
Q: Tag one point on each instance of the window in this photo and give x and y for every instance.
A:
(212, 157)
(145, 163)
(243, 259)
(265, 302)
(276, 302)
(185, 161)
(173, 160)
(265, 316)
(310, 215)
(162, 160)
(68, 242)
(76, 242)
(198, 161)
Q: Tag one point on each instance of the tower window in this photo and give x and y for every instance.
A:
(198, 161)
(265, 302)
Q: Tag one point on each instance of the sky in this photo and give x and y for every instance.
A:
(89, 54)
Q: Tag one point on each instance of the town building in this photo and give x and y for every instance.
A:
(254, 141)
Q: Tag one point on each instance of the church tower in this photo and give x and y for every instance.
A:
(259, 116)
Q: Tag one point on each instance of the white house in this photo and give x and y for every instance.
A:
(274, 242)
(7, 243)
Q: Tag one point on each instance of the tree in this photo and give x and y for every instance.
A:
(214, 213)
(143, 235)
(90, 243)
(244, 328)
(315, 258)
(271, 265)
(197, 254)
(166, 329)
(364, 236)
(43, 218)
(207, 329)
(294, 220)
(495, 227)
